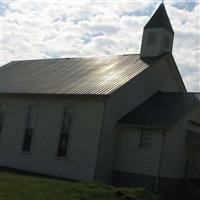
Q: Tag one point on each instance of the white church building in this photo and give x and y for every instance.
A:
(126, 119)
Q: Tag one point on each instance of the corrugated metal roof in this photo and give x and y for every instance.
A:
(96, 75)
(161, 110)
(160, 19)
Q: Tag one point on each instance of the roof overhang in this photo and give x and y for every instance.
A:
(142, 126)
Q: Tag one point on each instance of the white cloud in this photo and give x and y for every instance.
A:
(43, 29)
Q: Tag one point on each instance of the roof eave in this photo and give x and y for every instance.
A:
(142, 126)
(54, 95)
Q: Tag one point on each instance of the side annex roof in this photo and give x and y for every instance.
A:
(162, 110)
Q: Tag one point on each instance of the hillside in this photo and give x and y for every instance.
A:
(15, 186)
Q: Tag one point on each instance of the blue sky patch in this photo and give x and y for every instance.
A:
(88, 37)
(3, 8)
(60, 18)
(190, 5)
(55, 54)
(147, 11)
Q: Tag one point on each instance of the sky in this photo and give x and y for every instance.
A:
(61, 28)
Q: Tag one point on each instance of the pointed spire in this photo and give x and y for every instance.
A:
(160, 19)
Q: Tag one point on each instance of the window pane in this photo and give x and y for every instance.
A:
(65, 130)
(66, 120)
(30, 125)
(27, 140)
(31, 119)
(146, 139)
(62, 150)
(2, 115)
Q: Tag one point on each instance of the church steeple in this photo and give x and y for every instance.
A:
(158, 34)
(160, 19)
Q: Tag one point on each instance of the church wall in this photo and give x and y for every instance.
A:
(131, 158)
(156, 78)
(137, 166)
(83, 140)
(176, 151)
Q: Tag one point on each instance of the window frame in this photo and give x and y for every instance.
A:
(2, 125)
(143, 134)
(66, 157)
(26, 128)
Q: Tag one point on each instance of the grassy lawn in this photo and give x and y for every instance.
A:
(26, 187)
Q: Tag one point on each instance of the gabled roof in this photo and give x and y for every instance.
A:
(93, 76)
(162, 110)
(160, 19)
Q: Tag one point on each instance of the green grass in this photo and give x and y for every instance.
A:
(26, 187)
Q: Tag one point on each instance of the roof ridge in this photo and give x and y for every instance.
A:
(81, 57)
(179, 92)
